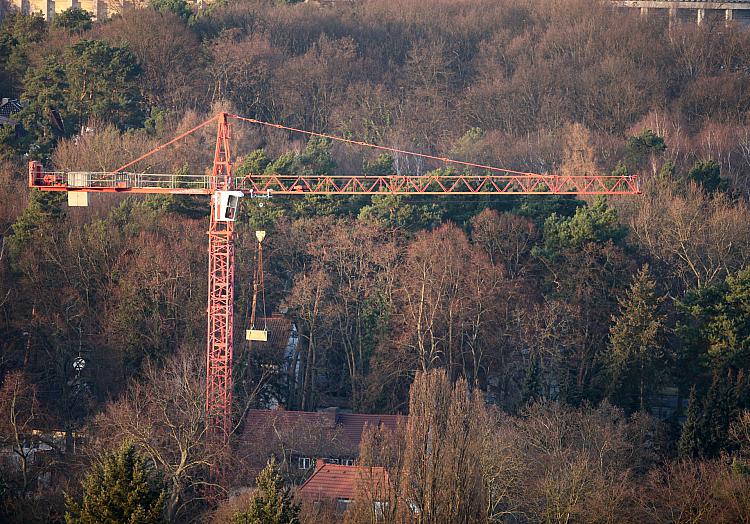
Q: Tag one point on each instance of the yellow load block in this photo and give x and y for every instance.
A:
(258, 335)
(78, 199)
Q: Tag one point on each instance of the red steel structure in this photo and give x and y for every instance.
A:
(220, 292)
(221, 181)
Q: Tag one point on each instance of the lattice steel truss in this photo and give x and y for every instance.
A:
(220, 295)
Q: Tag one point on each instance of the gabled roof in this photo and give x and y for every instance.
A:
(343, 430)
(280, 329)
(353, 424)
(9, 107)
(333, 482)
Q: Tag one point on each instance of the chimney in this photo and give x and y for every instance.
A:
(319, 463)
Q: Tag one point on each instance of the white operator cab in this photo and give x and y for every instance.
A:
(228, 202)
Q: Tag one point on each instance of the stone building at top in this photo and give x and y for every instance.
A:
(100, 9)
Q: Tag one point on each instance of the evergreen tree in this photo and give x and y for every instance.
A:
(121, 489)
(285, 164)
(91, 78)
(273, 502)
(316, 159)
(18, 34)
(397, 212)
(597, 223)
(742, 390)
(43, 210)
(715, 329)
(690, 444)
(104, 82)
(644, 144)
(719, 411)
(253, 164)
(642, 151)
(74, 19)
(532, 384)
(638, 355)
(728, 331)
(179, 7)
(667, 170)
(708, 175)
(380, 166)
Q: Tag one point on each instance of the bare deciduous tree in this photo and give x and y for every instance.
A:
(697, 237)
(163, 414)
(442, 479)
(19, 415)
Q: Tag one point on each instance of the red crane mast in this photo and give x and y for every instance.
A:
(225, 190)
(220, 290)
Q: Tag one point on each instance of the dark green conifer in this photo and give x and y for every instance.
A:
(122, 488)
(707, 175)
(638, 354)
(532, 385)
(272, 503)
(719, 411)
(690, 444)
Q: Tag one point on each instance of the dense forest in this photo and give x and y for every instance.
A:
(582, 359)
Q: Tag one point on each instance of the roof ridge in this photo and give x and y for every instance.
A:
(288, 411)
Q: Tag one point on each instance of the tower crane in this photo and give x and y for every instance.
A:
(225, 190)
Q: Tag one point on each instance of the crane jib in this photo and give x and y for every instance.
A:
(270, 184)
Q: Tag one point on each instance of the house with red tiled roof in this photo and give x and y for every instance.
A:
(338, 486)
(298, 438)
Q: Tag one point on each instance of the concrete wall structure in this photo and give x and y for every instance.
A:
(699, 11)
(100, 9)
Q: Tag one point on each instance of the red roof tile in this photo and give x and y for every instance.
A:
(353, 424)
(331, 481)
(262, 424)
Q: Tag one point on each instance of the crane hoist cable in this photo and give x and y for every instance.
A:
(255, 334)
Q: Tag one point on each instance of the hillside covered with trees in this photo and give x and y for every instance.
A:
(584, 360)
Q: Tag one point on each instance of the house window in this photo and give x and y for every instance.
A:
(347, 462)
(342, 504)
(304, 462)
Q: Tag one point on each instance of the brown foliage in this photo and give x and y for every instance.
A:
(698, 238)
(506, 238)
(442, 479)
(692, 492)
(163, 414)
(448, 291)
(19, 417)
(174, 73)
(102, 148)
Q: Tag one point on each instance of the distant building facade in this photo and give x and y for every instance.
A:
(698, 11)
(100, 9)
